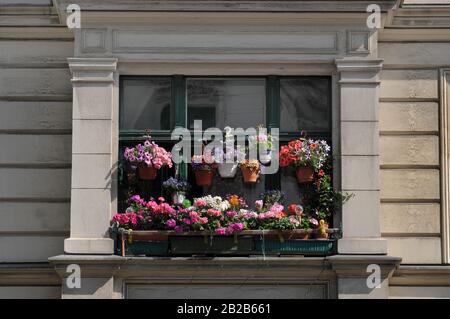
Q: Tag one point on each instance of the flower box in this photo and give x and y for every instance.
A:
(244, 243)
(296, 246)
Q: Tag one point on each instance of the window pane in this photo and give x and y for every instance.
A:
(226, 102)
(146, 104)
(305, 104)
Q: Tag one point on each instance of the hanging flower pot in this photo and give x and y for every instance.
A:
(148, 158)
(227, 170)
(147, 172)
(178, 198)
(305, 174)
(250, 171)
(204, 177)
(266, 157)
(177, 189)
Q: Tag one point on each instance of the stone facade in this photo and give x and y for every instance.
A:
(59, 103)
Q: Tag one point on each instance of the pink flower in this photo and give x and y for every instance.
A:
(221, 231)
(276, 208)
(167, 209)
(194, 217)
(122, 219)
(161, 199)
(186, 221)
(259, 204)
(294, 220)
(152, 205)
(203, 220)
(213, 212)
(178, 229)
(171, 223)
(200, 202)
(235, 227)
(314, 221)
(248, 215)
(231, 214)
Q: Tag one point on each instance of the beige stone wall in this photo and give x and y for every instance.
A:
(409, 149)
(35, 134)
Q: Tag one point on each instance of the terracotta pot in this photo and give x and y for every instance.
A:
(301, 236)
(204, 177)
(305, 174)
(250, 175)
(147, 173)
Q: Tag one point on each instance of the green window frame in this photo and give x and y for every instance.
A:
(179, 110)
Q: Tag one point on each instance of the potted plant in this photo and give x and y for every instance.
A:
(271, 197)
(177, 189)
(322, 202)
(227, 161)
(203, 167)
(262, 144)
(250, 170)
(213, 225)
(227, 156)
(307, 155)
(148, 158)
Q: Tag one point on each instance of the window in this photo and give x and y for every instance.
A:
(294, 104)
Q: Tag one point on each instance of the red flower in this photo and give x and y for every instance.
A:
(292, 208)
(321, 173)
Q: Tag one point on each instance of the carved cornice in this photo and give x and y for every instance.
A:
(92, 69)
(228, 5)
(28, 274)
(359, 71)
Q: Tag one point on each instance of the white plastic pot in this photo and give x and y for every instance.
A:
(265, 158)
(227, 170)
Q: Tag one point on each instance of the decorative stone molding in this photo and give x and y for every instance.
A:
(216, 41)
(92, 69)
(358, 42)
(128, 277)
(93, 40)
(353, 273)
(93, 153)
(230, 5)
(326, 277)
(17, 274)
(421, 276)
(359, 85)
(445, 163)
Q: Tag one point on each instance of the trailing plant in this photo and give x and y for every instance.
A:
(148, 154)
(304, 152)
(173, 185)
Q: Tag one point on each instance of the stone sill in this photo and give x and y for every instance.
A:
(295, 266)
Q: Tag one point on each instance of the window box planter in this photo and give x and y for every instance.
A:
(211, 245)
(244, 243)
(295, 247)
